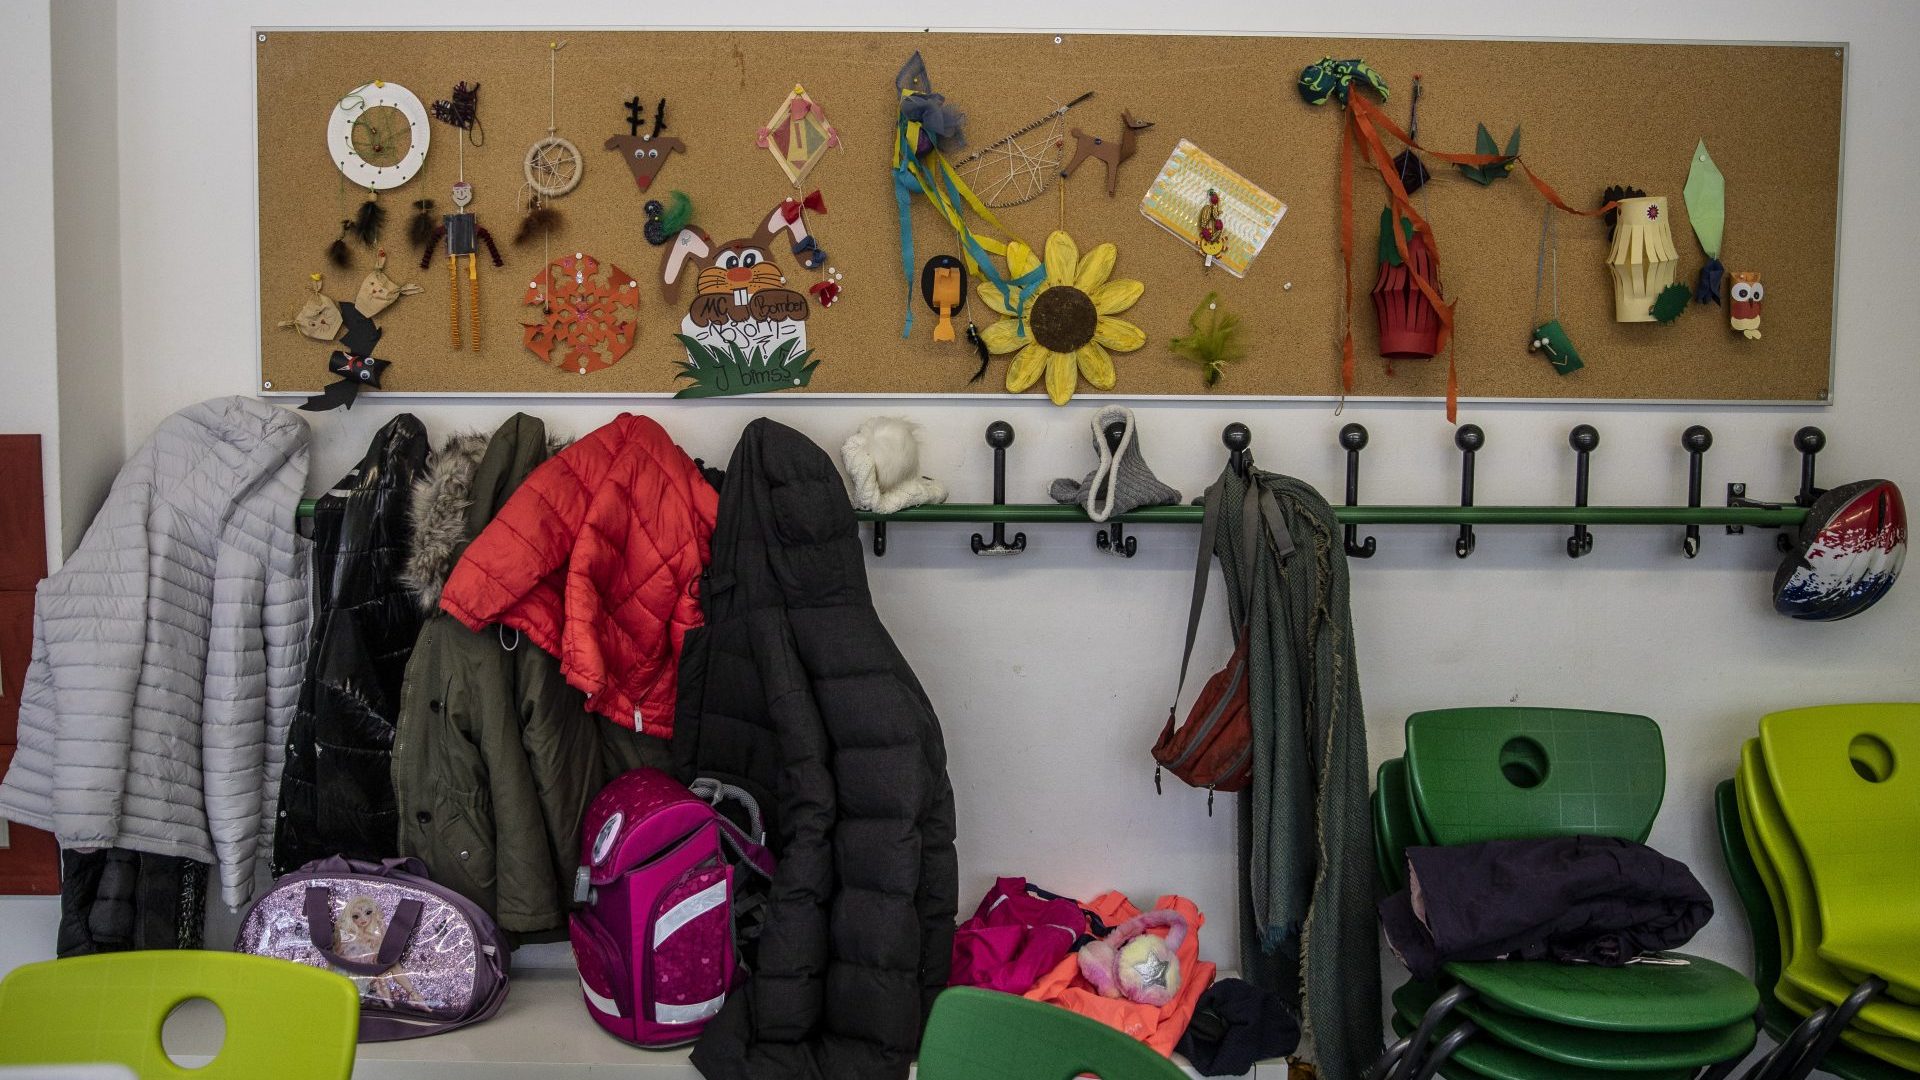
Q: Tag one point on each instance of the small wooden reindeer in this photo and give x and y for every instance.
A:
(1111, 153)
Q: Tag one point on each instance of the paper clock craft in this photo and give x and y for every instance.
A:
(378, 134)
(1181, 190)
(746, 330)
(592, 310)
(798, 135)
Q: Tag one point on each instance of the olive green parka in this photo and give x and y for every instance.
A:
(495, 757)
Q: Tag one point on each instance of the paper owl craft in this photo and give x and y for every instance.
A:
(1743, 307)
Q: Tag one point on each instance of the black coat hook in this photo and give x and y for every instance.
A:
(1239, 443)
(1113, 539)
(1584, 439)
(1809, 441)
(1696, 440)
(1354, 438)
(1469, 439)
(999, 436)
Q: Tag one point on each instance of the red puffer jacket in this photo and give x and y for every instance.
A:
(596, 559)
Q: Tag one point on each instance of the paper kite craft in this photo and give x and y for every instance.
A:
(798, 135)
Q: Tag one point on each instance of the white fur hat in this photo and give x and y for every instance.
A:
(883, 466)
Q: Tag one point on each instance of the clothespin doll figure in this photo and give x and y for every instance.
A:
(464, 236)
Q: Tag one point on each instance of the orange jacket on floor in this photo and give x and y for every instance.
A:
(1160, 1027)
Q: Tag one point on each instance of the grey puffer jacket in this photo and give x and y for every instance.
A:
(167, 650)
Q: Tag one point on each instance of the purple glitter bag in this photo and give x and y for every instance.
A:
(425, 958)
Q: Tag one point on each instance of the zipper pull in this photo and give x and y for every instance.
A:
(1156, 779)
(1209, 800)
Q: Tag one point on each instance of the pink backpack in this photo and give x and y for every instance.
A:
(670, 886)
(1018, 933)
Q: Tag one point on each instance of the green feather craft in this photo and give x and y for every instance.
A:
(1213, 341)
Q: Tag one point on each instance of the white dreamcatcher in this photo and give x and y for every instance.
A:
(553, 165)
(1018, 167)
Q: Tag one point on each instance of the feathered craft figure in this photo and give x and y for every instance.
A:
(368, 221)
(1212, 340)
(541, 220)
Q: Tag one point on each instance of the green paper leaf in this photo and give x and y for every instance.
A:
(1706, 199)
(1671, 303)
(1389, 251)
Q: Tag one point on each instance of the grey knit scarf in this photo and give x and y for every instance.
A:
(1307, 836)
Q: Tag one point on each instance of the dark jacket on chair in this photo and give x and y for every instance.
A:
(794, 691)
(336, 795)
(495, 757)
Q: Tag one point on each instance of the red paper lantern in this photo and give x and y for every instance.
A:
(1409, 324)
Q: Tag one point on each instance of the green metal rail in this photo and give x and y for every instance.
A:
(1044, 513)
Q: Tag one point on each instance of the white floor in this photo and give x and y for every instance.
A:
(541, 1033)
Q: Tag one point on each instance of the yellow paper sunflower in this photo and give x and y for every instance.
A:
(1064, 327)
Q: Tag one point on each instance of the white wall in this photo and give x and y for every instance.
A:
(86, 218)
(1051, 670)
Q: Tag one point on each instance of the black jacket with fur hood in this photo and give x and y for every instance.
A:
(495, 757)
(794, 691)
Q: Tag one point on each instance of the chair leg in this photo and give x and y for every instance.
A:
(1444, 1049)
(1388, 1059)
(1842, 1017)
(1789, 1049)
(1417, 1048)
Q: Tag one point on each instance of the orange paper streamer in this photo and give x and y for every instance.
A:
(1362, 125)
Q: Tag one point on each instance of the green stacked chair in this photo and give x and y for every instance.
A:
(1471, 775)
(1827, 825)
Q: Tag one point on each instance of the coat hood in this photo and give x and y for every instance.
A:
(438, 516)
(470, 481)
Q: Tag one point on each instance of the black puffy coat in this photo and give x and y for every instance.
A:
(336, 792)
(794, 691)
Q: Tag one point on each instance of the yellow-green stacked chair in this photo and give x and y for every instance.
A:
(1831, 821)
(283, 1020)
(1759, 893)
(1471, 775)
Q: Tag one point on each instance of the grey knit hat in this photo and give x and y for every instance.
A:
(1121, 482)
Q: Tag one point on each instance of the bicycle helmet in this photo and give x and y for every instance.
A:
(1847, 554)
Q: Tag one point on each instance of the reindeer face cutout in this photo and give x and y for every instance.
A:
(646, 155)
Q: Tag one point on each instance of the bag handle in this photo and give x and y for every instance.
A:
(1209, 529)
(406, 919)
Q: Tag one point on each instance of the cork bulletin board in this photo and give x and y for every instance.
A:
(1592, 114)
